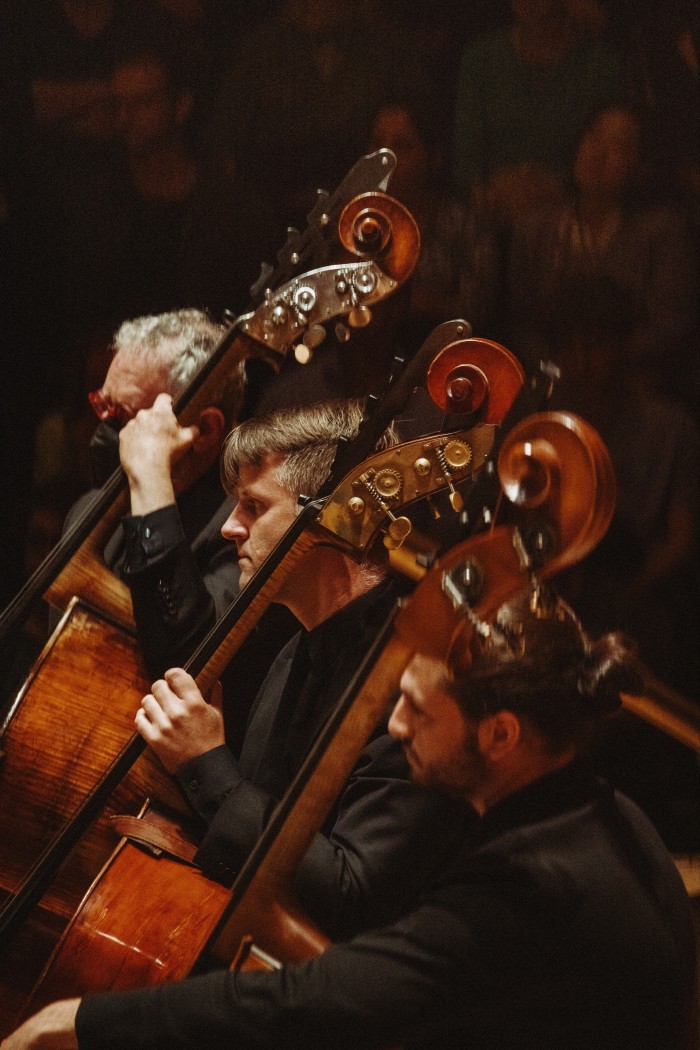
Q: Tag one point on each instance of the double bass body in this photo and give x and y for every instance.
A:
(81, 719)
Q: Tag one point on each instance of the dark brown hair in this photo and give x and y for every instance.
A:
(544, 668)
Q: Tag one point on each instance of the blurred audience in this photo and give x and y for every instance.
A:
(643, 577)
(434, 36)
(296, 98)
(58, 57)
(61, 54)
(663, 63)
(175, 235)
(607, 227)
(524, 94)
(457, 271)
(31, 341)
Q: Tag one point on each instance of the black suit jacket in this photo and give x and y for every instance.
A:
(180, 571)
(566, 927)
(383, 840)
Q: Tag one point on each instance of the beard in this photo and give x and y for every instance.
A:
(458, 775)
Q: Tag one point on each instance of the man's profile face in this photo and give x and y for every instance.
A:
(440, 745)
(132, 383)
(262, 515)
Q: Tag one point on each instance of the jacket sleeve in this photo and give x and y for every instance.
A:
(410, 982)
(176, 595)
(379, 847)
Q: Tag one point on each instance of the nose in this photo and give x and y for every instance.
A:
(398, 725)
(233, 528)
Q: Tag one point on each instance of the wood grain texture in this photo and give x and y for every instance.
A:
(75, 713)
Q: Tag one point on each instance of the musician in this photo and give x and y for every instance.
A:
(169, 549)
(383, 839)
(565, 926)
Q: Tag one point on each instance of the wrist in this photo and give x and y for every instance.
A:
(151, 494)
(53, 1028)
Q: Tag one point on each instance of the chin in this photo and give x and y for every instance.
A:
(246, 573)
(417, 775)
(434, 780)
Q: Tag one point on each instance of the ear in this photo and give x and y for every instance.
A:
(499, 734)
(211, 425)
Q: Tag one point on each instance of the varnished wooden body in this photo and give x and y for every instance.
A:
(109, 946)
(74, 714)
(143, 922)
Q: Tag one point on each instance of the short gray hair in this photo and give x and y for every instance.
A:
(179, 342)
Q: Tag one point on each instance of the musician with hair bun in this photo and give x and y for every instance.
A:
(565, 925)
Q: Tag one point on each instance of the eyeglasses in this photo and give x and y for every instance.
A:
(105, 408)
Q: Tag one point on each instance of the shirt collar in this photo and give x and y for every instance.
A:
(566, 789)
(350, 622)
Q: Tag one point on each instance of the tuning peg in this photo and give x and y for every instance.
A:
(456, 501)
(315, 336)
(303, 353)
(359, 317)
(458, 455)
(342, 332)
(398, 530)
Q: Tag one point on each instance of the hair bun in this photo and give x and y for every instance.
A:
(609, 667)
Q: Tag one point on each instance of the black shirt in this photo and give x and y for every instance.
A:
(548, 934)
(384, 837)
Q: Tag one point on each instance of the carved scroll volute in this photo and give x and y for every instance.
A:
(475, 375)
(557, 477)
(376, 226)
(556, 468)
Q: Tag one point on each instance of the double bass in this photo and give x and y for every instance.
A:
(371, 497)
(558, 486)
